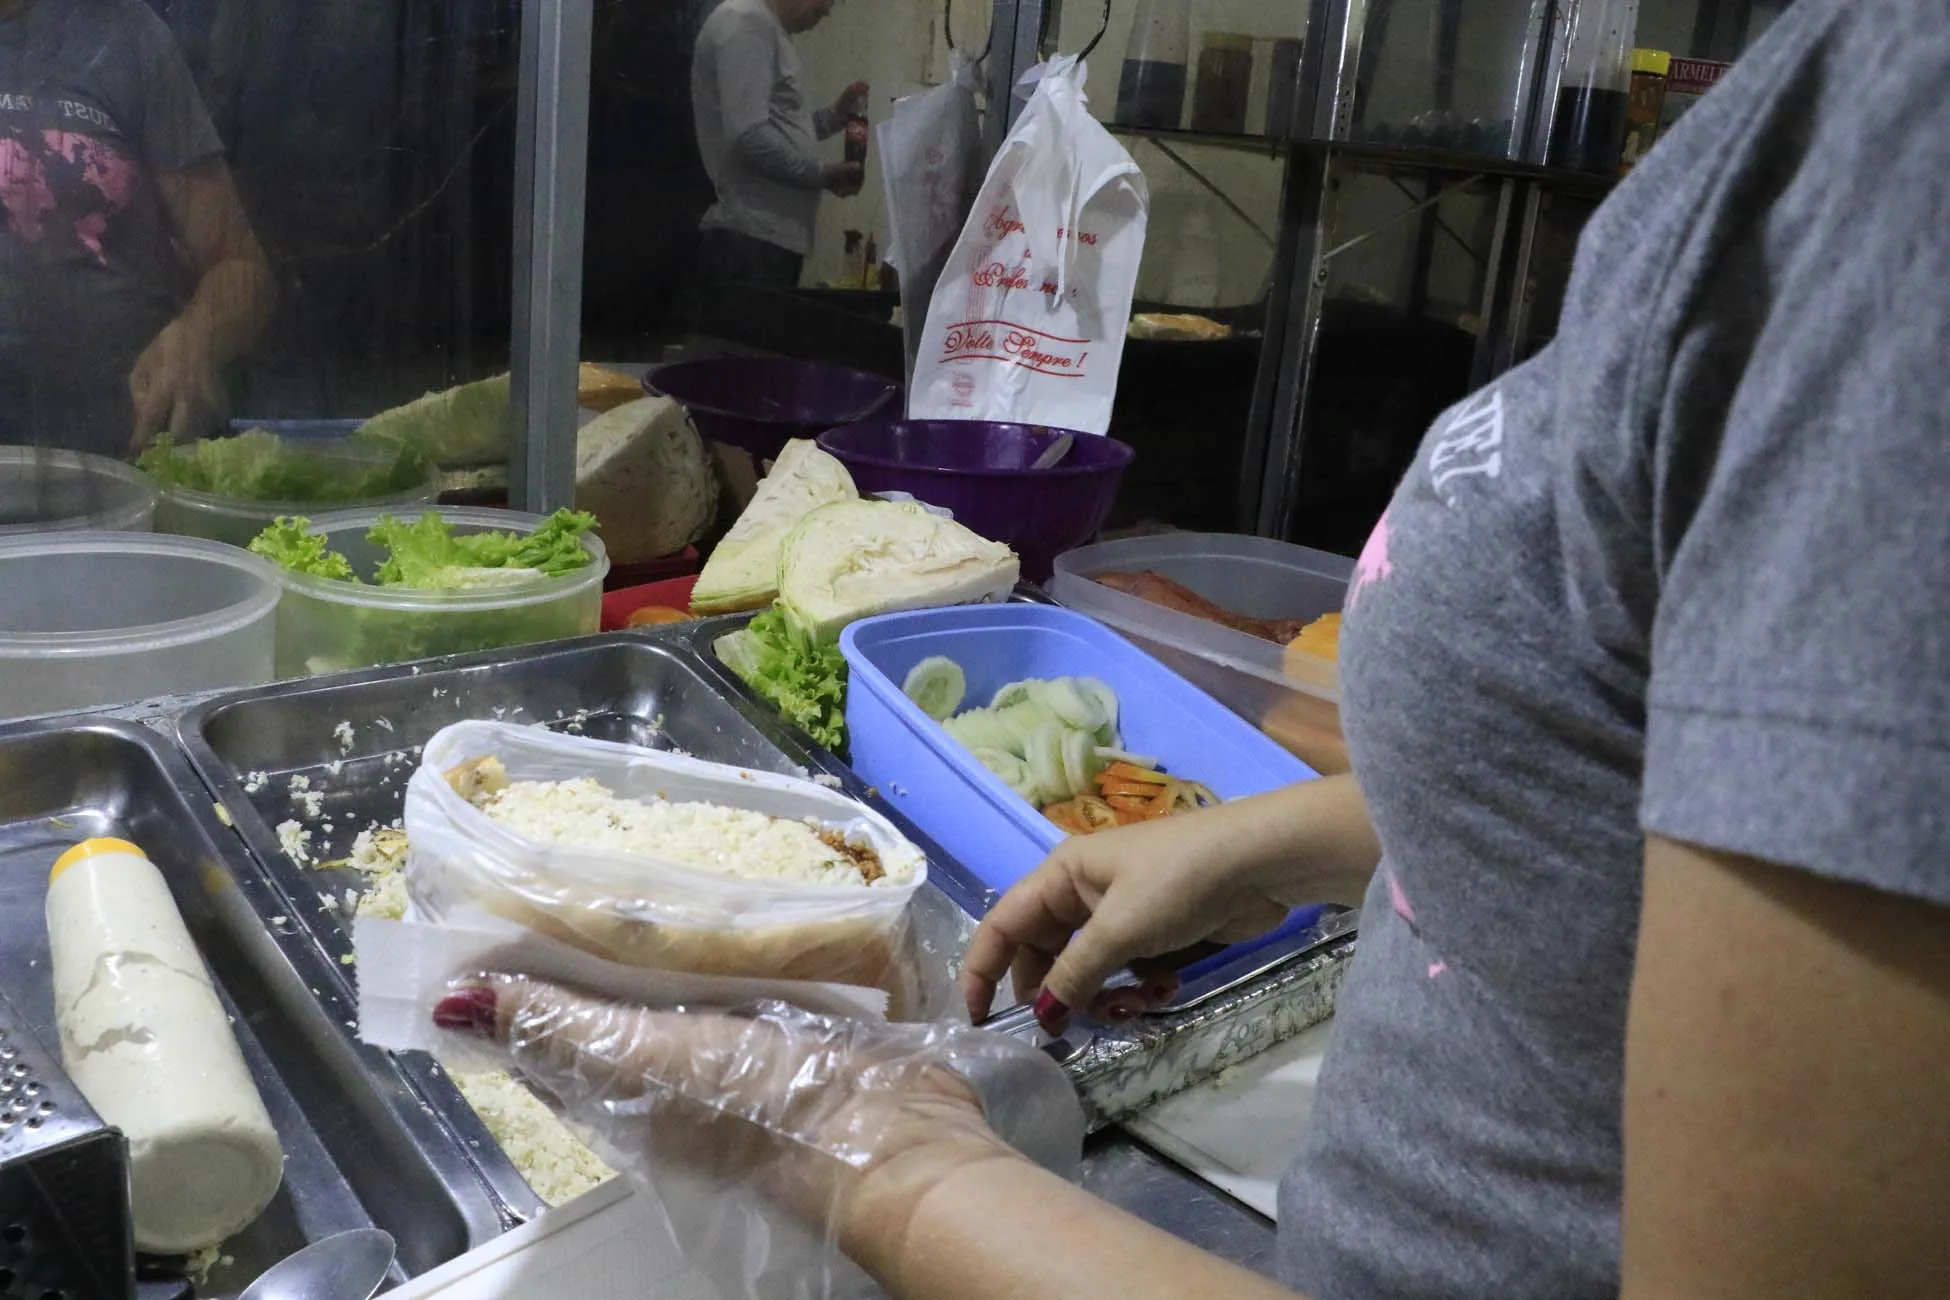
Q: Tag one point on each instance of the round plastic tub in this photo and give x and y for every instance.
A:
(95, 618)
(979, 469)
(325, 625)
(43, 489)
(761, 403)
(194, 513)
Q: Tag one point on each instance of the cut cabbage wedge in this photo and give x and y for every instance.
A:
(854, 559)
(743, 572)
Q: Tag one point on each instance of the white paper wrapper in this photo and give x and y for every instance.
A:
(405, 968)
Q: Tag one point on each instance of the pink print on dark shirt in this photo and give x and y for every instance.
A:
(1374, 564)
(82, 179)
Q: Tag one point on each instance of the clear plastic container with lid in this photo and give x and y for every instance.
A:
(94, 618)
(43, 489)
(1225, 78)
(1291, 695)
(327, 625)
(224, 518)
(1157, 63)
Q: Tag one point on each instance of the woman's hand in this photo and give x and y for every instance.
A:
(846, 1124)
(1102, 902)
(174, 386)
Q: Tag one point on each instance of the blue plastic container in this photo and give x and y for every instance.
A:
(299, 428)
(994, 832)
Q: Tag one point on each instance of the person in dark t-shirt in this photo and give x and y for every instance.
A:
(128, 270)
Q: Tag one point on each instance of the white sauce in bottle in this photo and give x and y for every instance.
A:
(146, 1040)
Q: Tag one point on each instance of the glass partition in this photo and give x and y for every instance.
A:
(221, 216)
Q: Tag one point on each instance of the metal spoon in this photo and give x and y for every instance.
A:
(1054, 453)
(347, 1266)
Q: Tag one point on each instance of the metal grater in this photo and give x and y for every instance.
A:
(66, 1232)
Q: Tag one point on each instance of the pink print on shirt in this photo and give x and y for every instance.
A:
(80, 182)
(1374, 564)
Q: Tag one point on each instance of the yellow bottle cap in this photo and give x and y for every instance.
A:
(93, 849)
(1656, 62)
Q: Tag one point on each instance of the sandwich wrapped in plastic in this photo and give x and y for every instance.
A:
(660, 862)
(752, 1130)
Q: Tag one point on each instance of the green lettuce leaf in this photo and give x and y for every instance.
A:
(804, 678)
(260, 466)
(426, 555)
(291, 543)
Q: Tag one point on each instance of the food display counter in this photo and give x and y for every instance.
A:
(240, 797)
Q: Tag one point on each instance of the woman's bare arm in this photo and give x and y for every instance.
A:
(1787, 1087)
(1003, 1229)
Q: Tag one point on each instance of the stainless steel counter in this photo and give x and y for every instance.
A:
(1117, 1166)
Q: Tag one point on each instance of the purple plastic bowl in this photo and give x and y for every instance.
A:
(979, 470)
(762, 403)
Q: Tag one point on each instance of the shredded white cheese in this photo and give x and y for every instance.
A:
(555, 1164)
(583, 814)
(552, 1161)
(295, 840)
(343, 734)
(256, 781)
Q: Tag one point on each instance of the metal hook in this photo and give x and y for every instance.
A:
(1102, 27)
(948, 30)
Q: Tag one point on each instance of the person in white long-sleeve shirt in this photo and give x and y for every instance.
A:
(758, 140)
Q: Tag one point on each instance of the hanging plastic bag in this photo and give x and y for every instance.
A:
(638, 911)
(1027, 321)
(930, 158)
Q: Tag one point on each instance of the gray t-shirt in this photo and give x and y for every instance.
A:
(95, 101)
(746, 87)
(1685, 573)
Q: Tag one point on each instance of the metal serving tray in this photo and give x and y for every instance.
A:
(360, 1148)
(630, 687)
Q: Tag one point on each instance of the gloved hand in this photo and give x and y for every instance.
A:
(774, 1135)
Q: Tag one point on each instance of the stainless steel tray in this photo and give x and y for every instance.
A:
(632, 687)
(360, 1148)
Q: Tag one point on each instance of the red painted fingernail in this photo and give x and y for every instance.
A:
(470, 1011)
(1048, 1008)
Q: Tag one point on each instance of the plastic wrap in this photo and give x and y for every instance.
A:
(931, 160)
(646, 912)
(752, 1130)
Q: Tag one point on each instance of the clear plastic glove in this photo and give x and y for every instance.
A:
(775, 1139)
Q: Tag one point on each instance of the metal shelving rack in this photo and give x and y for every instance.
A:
(1332, 144)
(1453, 189)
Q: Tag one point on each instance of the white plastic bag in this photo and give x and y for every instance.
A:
(644, 912)
(1027, 321)
(930, 157)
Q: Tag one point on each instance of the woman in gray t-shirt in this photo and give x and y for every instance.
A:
(1647, 690)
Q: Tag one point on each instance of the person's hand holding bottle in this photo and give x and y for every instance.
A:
(842, 179)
